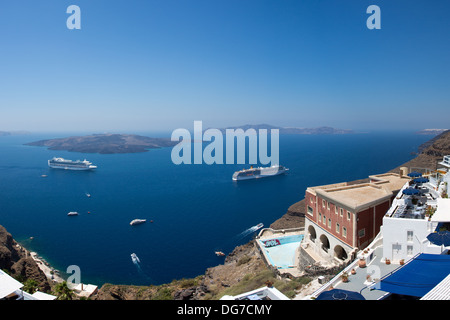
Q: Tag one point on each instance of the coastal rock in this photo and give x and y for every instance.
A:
(244, 260)
(118, 292)
(5, 257)
(8, 253)
(430, 153)
(27, 268)
(293, 218)
(16, 260)
(196, 293)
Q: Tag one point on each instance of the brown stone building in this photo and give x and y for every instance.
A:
(341, 217)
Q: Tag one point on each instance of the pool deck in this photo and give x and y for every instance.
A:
(266, 234)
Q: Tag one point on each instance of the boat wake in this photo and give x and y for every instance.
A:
(233, 241)
(137, 263)
(249, 231)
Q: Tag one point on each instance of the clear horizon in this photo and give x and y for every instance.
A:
(140, 66)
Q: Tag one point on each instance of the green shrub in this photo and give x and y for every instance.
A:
(163, 293)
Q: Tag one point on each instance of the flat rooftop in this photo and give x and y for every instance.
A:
(357, 195)
(361, 195)
(390, 181)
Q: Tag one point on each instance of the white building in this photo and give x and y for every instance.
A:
(411, 219)
(264, 293)
(11, 289)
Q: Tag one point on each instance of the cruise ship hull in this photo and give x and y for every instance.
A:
(72, 168)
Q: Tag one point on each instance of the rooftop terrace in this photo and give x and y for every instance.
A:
(360, 195)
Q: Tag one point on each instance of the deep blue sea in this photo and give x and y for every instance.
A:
(196, 209)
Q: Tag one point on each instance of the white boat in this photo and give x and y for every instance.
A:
(259, 226)
(88, 195)
(137, 221)
(135, 258)
(72, 213)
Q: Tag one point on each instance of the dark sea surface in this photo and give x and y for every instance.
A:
(196, 209)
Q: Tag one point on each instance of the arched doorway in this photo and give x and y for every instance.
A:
(312, 233)
(325, 243)
(340, 253)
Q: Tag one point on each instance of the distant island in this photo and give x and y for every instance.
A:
(294, 130)
(431, 131)
(105, 143)
(13, 133)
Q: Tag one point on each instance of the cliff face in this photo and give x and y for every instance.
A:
(244, 260)
(16, 260)
(293, 218)
(430, 153)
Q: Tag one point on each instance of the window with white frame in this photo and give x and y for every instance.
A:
(409, 235)
(409, 250)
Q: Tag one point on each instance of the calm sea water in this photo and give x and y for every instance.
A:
(196, 209)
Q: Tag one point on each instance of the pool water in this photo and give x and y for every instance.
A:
(280, 251)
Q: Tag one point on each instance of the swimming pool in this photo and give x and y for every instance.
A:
(280, 251)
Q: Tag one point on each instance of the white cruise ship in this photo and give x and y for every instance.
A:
(60, 163)
(261, 172)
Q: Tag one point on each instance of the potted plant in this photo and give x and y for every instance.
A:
(353, 271)
(387, 261)
(362, 262)
(402, 262)
(344, 277)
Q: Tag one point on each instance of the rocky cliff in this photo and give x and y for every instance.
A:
(17, 261)
(430, 153)
(243, 261)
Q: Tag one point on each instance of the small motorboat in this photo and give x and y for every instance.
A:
(135, 258)
(88, 195)
(259, 226)
(137, 221)
(220, 254)
(72, 213)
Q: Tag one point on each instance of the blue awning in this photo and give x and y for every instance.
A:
(440, 238)
(418, 276)
(414, 174)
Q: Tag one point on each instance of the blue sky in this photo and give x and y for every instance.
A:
(143, 65)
